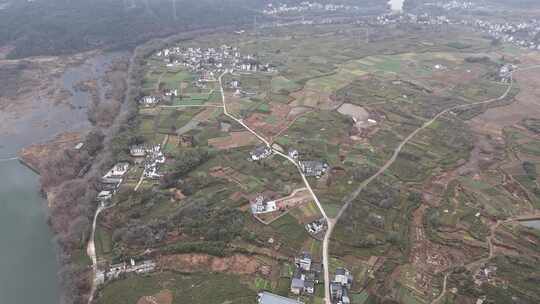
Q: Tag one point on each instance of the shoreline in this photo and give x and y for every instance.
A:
(28, 165)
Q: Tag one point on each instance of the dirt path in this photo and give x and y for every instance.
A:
(441, 295)
(348, 200)
(139, 183)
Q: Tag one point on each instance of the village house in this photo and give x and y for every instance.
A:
(153, 158)
(116, 270)
(505, 73)
(260, 152)
(316, 226)
(207, 76)
(344, 277)
(339, 294)
(111, 181)
(303, 261)
(260, 205)
(149, 101)
(293, 154)
(485, 274)
(302, 282)
(270, 298)
(104, 196)
(144, 150)
(110, 184)
(118, 171)
(313, 168)
(210, 62)
(235, 84)
(138, 151)
(306, 275)
(171, 92)
(339, 287)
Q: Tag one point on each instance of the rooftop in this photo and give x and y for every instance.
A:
(270, 298)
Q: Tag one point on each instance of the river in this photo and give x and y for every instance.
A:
(28, 267)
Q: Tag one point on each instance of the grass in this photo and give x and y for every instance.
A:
(292, 232)
(103, 241)
(333, 68)
(262, 284)
(359, 298)
(305, 212)
(532, 148)
(280, 83)
(197, 288)
(81, 258)
(172, 80)
(458, 45)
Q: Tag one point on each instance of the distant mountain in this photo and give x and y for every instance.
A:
(51, 27)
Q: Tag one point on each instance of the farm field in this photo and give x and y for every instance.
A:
(410, 101)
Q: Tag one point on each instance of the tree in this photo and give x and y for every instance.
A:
(530, 169)
(94, 142)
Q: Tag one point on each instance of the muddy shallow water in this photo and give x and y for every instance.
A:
(28, 268)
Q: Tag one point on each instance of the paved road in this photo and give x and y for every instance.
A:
(226, 112)
(295, 163)
(109, 134)
(192, 106)
(91, 252)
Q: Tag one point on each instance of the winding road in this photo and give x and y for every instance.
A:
(304, 179)
(91, 252)
(348, 200)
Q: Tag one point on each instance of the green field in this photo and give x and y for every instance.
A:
(402, 78)
(211, 289)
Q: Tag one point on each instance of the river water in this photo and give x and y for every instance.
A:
(28, 264)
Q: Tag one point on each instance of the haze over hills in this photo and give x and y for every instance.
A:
(53, 27)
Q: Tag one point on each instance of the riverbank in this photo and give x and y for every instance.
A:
(37, 155)
(38, 108)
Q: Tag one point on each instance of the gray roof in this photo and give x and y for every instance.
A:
(336, 287)
(316, 267)
(259, 150)
(340, 271)
(297, 283)
(270, 298)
